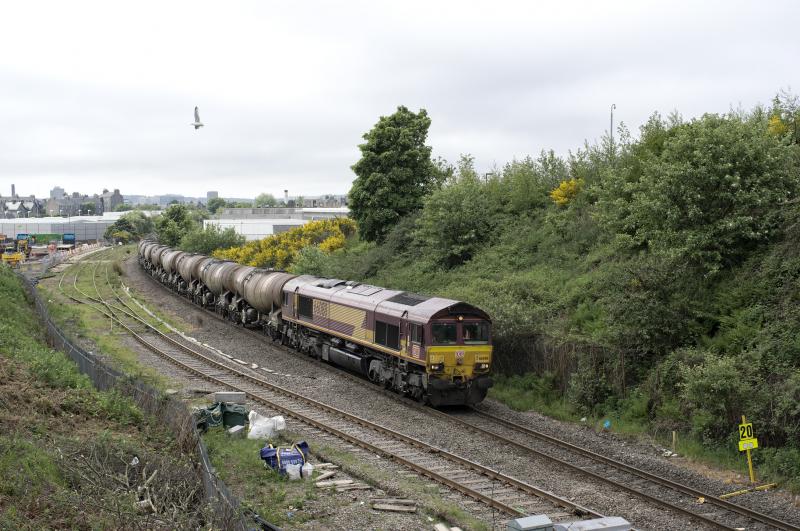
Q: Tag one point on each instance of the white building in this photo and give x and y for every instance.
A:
(258, 223)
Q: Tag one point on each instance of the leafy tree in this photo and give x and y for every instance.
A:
(215, 204)
(704, 191)
(211, 238)
(265, 200)
(394, 174)
(135, 225)
(310, 260)
(455, 219)
(88, 208)
(122, 207)
(173, 224)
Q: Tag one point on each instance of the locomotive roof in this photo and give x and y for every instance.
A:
(419, 308)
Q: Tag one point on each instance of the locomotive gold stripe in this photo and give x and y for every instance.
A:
(355, 340)
(352, 317)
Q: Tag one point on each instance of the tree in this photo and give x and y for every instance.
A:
(122, 207)
(211, 238)
(394, 173)
(131, 226)
(265, 200)
(88, 208)
(173, 224)
(215, 204)
(454, 220)
(705, 191)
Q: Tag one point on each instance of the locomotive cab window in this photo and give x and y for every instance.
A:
(306, 307)
(387, 335)
(416, 333)
(475, 333)
(444, 333)
(286, 298)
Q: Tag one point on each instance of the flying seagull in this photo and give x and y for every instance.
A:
(197, 123)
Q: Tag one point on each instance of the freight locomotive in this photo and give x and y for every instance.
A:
(435, 350)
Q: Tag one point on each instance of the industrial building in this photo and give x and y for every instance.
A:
(258, 223)
(85, 228)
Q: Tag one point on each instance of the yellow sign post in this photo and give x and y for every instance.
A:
(747, 442)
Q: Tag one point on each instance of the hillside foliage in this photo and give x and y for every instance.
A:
(657, 280)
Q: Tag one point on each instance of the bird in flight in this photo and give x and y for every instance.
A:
(197, 123)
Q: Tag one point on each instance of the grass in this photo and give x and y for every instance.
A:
(85, 323)
(64, 445)
(269, 494)
(628, 418)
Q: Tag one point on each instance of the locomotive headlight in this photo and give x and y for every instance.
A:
(437, 367)
(481, 366)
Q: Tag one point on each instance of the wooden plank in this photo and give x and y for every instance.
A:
(325, 475)
(394, 508)
(441, 527)
(334, 483)
(393, 501)
(357, 486)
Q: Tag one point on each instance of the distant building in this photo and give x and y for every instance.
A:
(258, 223)
(211, 195)
(15, 206)
(57, 193)
(110, 200)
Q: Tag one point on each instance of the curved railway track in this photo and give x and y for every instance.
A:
(672, 495)
(483, 484)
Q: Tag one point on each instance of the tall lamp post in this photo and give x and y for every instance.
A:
(611, 130)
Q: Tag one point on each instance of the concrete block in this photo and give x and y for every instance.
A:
(236, 432)
(235, 397)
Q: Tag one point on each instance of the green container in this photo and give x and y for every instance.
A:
(234, 415)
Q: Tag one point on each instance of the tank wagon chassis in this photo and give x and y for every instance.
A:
(434, 350)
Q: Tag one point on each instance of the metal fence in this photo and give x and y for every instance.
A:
(226, 510)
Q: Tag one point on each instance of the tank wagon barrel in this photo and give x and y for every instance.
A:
(429, 348)
(263, 289)
(169, 260)
(215, 274)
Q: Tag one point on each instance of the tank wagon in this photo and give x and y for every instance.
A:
(436, 350)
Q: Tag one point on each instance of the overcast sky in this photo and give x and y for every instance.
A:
(94, 95)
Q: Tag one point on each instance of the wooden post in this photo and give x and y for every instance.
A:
(674, 442)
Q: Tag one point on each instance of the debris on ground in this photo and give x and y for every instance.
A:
(286, 458)
(224, 414)
(262, 427)
(397, 505)
(236, 431)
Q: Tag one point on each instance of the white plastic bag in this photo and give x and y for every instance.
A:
(262, 427)
(307, 470)
(293, 471)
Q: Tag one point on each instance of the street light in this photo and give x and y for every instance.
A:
(611, 130)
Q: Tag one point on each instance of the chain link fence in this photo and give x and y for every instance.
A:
(225, 507)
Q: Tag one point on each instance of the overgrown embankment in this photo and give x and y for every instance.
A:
(67, 450)
(654, 281)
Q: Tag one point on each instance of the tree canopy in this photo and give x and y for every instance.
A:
(208, 239)
(175, 222)
(394, 174)
(214, 204)
(265, 200)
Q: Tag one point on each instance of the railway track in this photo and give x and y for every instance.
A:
(484, 485)
(672, 495)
